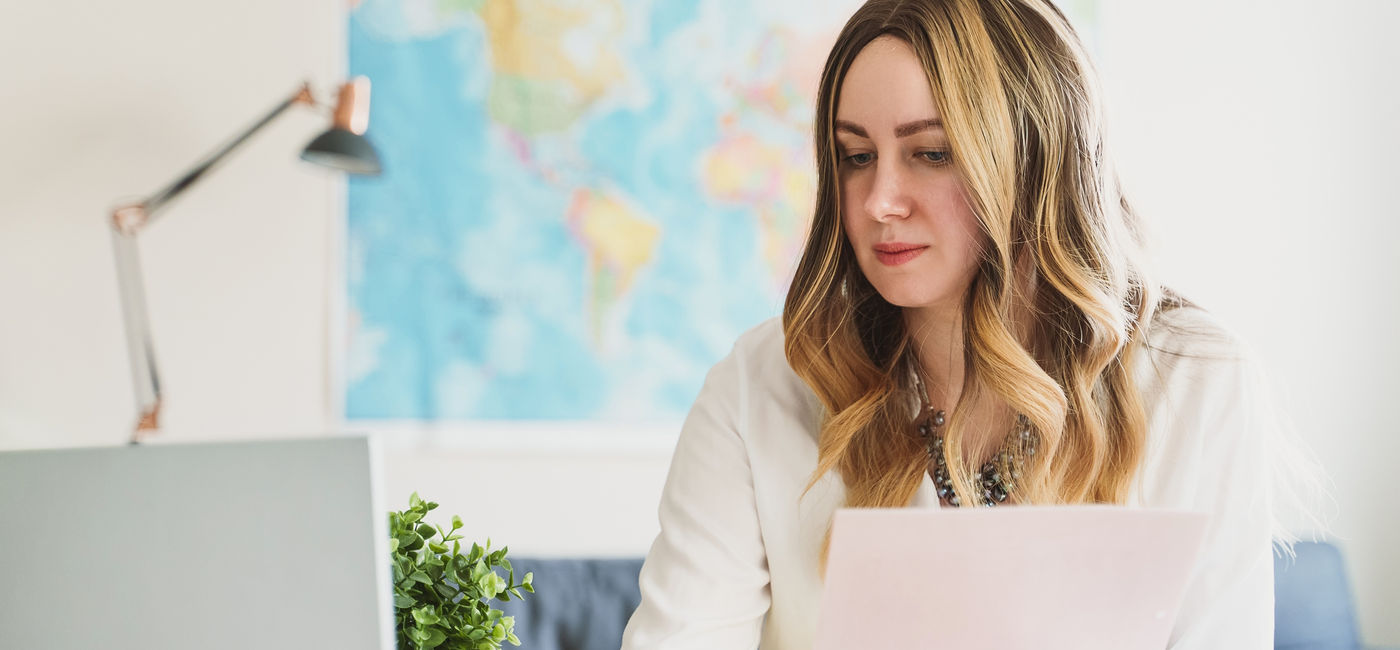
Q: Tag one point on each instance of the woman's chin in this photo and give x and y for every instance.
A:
(915, 297)
(911, 300)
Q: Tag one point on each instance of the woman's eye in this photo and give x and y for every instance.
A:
(860, 159)
(936, 157)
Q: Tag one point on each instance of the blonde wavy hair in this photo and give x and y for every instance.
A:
(1061, 298)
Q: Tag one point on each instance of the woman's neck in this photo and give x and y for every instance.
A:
(937, 335)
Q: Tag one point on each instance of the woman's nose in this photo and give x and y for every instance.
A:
(889, 198)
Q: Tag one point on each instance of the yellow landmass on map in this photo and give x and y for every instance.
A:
(552, 59)
(775, 182)
(619, 240)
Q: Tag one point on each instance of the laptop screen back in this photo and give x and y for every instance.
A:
(238, 545)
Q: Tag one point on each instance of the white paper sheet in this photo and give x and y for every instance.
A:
(1049, 578)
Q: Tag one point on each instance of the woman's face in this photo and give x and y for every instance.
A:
(903, 206)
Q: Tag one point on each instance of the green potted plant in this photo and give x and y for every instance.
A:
(442, 597)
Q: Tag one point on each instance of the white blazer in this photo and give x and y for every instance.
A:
(735, 565)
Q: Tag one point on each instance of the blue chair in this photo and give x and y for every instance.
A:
(1312, 601)
(581, 604)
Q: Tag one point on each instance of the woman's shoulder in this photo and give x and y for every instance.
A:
(759, 363)
(759, 350)
(1192, 360)
(1196, 372)
(1186, 332)
(754, 394)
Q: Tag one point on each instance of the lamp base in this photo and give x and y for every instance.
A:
(148, 425)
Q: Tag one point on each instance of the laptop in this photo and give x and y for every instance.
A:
(217, 546)
(1049, 578)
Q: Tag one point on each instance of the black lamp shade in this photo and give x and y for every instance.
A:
(343, 150)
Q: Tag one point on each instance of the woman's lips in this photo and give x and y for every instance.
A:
(896, 254)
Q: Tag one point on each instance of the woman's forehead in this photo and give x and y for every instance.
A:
(885, 87)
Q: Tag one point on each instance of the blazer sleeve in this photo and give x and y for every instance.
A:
(1229, 601)
(704, 584)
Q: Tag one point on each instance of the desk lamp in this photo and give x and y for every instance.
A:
(342, 147)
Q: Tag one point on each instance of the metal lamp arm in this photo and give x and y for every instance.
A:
(152, 204)
(127, 223)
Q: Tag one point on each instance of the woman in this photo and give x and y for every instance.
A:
(971, 324)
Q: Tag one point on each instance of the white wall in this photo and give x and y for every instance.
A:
(1258, 136)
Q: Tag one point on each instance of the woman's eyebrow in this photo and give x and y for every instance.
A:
(852, 128)
(910, 128)
(902, 131)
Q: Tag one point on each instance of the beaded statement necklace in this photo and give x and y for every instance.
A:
(997, 477)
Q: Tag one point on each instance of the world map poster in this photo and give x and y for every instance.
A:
(583, 205)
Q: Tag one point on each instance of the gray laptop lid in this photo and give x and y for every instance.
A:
(240, 545)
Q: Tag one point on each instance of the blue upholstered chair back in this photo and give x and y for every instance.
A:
(580, 604)
(1312, 600)
(584, 604)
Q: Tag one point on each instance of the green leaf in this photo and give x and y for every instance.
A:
(425, 616)
(413, 500)
(456, 522)
(393, 545)
(437, 548)
(435, 638)
(425, 531)
(491, 584)
(419, 576)
(404, 602)
(456, 547)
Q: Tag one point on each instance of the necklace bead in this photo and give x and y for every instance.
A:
(994, 482)
(996, 478)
